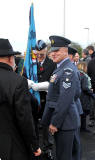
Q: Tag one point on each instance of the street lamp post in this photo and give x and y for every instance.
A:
(64, 17)
(87, 35)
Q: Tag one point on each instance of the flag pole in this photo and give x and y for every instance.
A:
(30, 63)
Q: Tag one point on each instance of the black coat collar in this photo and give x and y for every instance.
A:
(5, 66)
(93, 55)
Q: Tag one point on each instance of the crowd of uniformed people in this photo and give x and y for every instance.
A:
(66, 84)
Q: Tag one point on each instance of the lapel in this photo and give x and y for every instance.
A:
(62, 66)
(44, 66)
(46, 62)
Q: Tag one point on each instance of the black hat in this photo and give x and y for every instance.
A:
(40, 45)
(58, 42)
(72, 51)
(6, 48)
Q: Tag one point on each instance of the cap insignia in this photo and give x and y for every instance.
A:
(52, 41)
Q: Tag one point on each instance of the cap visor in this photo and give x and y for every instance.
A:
(52, 49)
(16, 53)
(8, 53)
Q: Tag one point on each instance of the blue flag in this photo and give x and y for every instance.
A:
(30, 62)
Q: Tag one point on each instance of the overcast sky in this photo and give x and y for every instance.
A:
(49, 20)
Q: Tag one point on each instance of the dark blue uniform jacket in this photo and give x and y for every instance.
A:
(61, 109)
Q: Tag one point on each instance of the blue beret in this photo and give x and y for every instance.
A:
(40, 45)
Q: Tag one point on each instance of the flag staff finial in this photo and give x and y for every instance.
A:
(32, 2)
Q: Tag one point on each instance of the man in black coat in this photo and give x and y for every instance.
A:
(17, 133)
(91, 73)
(45, 68)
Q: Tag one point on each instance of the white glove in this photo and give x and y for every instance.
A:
(41, 86)
(30, 83)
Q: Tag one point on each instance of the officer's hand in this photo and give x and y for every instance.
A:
(52, 129)
(38, 152)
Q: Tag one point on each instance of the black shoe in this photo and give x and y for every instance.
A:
(93, 132)
(91, 124)
(48, 155)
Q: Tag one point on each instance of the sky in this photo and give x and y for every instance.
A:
(49, 20)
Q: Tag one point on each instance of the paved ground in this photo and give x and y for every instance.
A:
(88, 145)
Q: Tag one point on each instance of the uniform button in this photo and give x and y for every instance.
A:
(40, 76)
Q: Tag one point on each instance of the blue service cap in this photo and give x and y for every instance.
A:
(58, 42)
(40, 45)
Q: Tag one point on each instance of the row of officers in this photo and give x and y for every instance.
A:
(60, 91)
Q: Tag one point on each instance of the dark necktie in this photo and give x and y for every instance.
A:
(40, 66)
